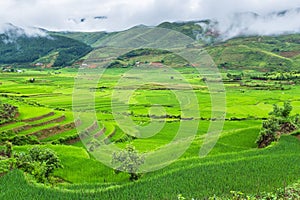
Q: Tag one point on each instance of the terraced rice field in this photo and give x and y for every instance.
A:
(45, 112)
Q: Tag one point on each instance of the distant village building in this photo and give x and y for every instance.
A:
(8, 69)
(137, 63)
(156, 64)
(39, 64)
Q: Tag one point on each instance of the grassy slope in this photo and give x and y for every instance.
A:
(261, 53)
(250, 171)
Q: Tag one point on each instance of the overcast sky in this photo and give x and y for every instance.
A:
(79, 15)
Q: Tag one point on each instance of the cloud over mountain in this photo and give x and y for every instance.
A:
(80, 15)
(274, 23)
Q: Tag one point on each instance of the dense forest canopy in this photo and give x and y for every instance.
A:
(25, 49)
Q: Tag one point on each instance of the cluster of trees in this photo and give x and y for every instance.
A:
(39, 163)
(279, 122)
(282, 76)
(67, 56)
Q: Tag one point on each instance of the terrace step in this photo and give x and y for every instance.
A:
(12, 126)
(110, 135)
(55, 120)
(101, 132)
(87, 132)
(39, 117)
(44, 133)
(29, 126)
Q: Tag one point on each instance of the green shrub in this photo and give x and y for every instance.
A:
(278, 123)
(7, 113)
(38, 162)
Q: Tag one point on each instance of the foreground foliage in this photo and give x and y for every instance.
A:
(253, 171)
(39, 162)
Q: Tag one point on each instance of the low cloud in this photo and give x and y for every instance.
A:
(11, 32)
(274, 23)
(82, 15)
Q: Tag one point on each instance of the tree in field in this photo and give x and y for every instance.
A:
(268, 132)
(39, 162)
(128, 160)
(279, 122)
(282, 112)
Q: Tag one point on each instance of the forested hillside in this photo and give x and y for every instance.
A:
(25, 50)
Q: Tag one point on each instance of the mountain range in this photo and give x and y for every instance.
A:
(245, 40)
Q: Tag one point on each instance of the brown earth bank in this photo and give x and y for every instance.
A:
(72, 141)
(56, 120)
(45, 133)
(100, 133)
(28, 126)
(39, 117)
(21, 128)
(289, 54)
(285, 128)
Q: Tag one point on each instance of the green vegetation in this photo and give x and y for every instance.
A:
(190, 29)
(253, 171)
(279, 122)
(40, 163)
(234, 155)
(7, 113)
(262, 53)
(90, 39)
(128, 161)
(32, 50)
(290, 192)
(277, 53)
(258, 75)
